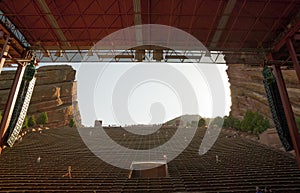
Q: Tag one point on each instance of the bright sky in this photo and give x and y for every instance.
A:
(148, 93)
(127, 93)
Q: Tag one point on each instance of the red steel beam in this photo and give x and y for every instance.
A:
(44, 20)
(105, 21)
(12, 97)
(255, 22)
(293, 54)
(53, 22)
(297, 36)
(289, 34)
(4, 52)
(288, 112)
(223, 21)
(233, 24)
(67, 30)
(196, 7)
(172, 8)
(277, 22)
(148, 12)
(213, 23)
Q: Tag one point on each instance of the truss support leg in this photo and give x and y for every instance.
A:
(10, 104)
(4, 52)
(293, 55)
(288, 111)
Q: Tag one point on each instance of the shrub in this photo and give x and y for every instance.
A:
(218, 121)
(237, 124)
(72, 123)
(25, 123)
(194, 123)
(201, 122)
(31, 121)
(229, 121)
(188, 124)
(297, 119)
(254, 122)
(42, 119)
(232, 122)
(247, 122)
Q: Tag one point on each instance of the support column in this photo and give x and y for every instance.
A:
(4, 52)
(12, 97)
(288, 112)
(293, 54)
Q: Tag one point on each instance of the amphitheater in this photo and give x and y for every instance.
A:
(243, 165)
(247, 36)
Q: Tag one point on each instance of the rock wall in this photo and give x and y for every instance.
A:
(54, 92)
(247, 90)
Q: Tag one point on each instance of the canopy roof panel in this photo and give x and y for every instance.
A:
(225, 25)
(67, 24)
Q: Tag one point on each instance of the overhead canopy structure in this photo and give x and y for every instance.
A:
(245, 31)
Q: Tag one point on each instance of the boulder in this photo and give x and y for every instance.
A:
(55, 93)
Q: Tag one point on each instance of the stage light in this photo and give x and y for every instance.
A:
(207, 54)
(158, 55)
(139, 55)
(90, 53)
(46, 53)
(58, 53)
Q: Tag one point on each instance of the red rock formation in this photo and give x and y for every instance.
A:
(247, 90)
(55, 93)
(271, 138)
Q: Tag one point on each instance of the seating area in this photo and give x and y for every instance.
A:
(39, 161)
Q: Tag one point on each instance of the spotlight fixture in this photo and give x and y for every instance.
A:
(158, 55)
(46, 53)
(139, 55)
(58, 53)
(90, 53)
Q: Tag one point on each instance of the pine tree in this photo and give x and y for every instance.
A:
(25, 123)
(31, 121)
(42, 119)
(72, 123)
(201, 122)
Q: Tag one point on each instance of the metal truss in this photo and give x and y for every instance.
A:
(132, 55)
(13, 29)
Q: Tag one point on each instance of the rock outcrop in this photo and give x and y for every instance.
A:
(247, 90)
(55, 93)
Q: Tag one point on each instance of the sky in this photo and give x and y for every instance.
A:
(149, 93)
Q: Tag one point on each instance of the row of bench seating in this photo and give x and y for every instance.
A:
(242, 165)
